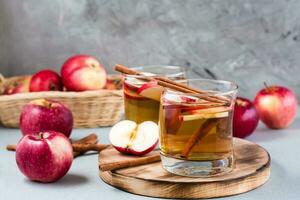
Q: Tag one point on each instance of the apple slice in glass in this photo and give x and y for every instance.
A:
(207, 113)
(172, 118)
(132, 95)
(132, 83)
(151, 90)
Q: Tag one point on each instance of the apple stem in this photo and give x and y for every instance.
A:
(266, 86)
(41, 136)
(52, 87)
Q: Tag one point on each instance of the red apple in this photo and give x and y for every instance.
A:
(110, 85)
(82, 72)
(276, 106)
(18, 86)
(130, 138)
(44, 157)
(46, 80)
(245, 118)
(46, 115)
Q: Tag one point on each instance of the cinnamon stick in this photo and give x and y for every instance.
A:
(81, 146)
(90, 139)
(198, 135)
(126, 163)
(11, 147)
(76, 147)
(165, 82)
(89, 147)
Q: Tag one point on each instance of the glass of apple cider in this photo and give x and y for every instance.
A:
(142, 98)
(196, 129)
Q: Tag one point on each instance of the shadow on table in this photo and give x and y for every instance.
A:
(68, 180)
(263, 133)
(72, 180)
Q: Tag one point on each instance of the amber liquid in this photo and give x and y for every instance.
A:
(193, 133)
(139, 108)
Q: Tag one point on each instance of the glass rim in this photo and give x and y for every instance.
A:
(233, 87)
(182, 72)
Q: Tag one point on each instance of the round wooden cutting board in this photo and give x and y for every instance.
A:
(252, 170)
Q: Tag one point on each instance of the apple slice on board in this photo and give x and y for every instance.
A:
(130, 138)
(151, 90)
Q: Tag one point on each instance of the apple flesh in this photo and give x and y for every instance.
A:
(46, 115)
(151, 90)
(45, 157)
(46, 80)
(245, 118)
(276, 106)
(18, 86)
(82, 72)
(130, 138)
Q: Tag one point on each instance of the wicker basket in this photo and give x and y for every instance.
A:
(89, 108)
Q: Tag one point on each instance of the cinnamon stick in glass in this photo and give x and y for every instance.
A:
(198, 135)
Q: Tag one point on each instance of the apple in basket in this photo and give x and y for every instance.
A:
(45, 157)
(82, 72)
(46, 80)
(44, 115)
(131, 138)
(18, 86)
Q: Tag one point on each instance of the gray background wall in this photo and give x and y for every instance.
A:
(245, 41)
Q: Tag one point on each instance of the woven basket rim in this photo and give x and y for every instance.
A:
(62, 94)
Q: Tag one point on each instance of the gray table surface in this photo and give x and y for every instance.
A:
(83, 182)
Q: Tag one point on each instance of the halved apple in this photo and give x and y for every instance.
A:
(136, 139)
(151, 90)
